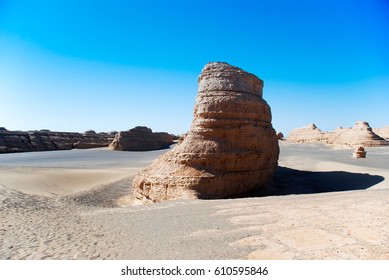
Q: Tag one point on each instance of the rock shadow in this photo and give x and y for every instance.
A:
(292, 181)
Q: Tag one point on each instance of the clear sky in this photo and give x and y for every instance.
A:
(112, 65)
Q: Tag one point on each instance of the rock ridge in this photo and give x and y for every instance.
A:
(45, 140)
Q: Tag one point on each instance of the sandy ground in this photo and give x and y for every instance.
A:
(322, 204)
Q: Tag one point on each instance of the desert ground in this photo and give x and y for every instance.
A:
(78, 204)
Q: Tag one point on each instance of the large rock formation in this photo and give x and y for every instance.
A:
(382, 132)
(359, 135)
(231, 148)
(45, 140)
(307, 134)
(141, 138)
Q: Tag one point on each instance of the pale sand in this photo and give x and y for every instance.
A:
(322, 205)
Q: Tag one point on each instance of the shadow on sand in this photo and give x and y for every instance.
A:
(291, 181)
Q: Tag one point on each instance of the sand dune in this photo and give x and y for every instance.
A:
(68, 172)
(59, 181)
(322, 205)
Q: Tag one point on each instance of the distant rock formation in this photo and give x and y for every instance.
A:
(359, 152)
(231, 148)
(359, 135)
(141, 138)
(46, 140)
(175, 137)
(307, 134)
(89, 133)
(382, 132)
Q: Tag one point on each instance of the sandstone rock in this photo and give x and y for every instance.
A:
(359, 152)
(231, 148)
(382, 132)
(360, 135)
(89, 133)
(141, 138)
(181, 138)
(175, 137)
(307, 134)
(46, 140)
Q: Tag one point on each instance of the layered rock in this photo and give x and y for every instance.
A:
(359, 152)
(231, 148)
(382, 132)
(46, 140)
(307, 134)
(359, 135)
(181, 138)
(141, 138)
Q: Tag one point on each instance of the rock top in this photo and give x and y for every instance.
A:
(230, 149)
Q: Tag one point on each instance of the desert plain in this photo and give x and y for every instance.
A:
(79, 204)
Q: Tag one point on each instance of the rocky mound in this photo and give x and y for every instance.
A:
(359, 152)
(231, 148)
(382, 132)
(46, 140)
(307, 134)
(141, 138)
(359, 135)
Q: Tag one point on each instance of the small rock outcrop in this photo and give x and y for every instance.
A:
(359, 152)
(280, 136)
(231, 148)
(141, 138)
(359, 135)
(46, 140)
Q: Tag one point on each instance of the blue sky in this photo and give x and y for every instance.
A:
(112, 65)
